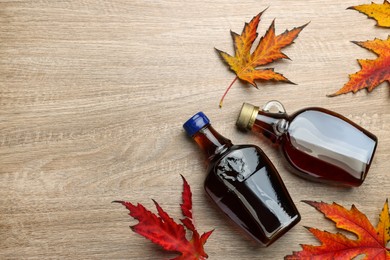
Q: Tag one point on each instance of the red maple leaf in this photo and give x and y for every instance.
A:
(162, 230)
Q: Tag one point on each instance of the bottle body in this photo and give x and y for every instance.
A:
(328, 147)
(244, 184)
(320, 145)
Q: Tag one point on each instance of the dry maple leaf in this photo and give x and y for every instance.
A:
(244, 64)
(164, 231)
(373, 72)
(379, 12)
(370, 241)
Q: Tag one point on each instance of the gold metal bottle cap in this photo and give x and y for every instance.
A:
(247, 116)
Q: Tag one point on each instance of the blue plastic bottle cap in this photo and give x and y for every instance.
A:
(195, 123)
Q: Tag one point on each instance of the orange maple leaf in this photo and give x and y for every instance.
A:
(373, 72)
(379, 12)
(370, 241)
(244, 64)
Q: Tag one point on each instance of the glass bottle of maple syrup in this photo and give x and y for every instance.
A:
(244, 184)
(318, 144)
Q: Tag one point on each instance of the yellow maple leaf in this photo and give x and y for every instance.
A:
(379, 12)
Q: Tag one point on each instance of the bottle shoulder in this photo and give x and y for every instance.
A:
(242, 148)
(312, 110)
(239, 162)
(234, 149)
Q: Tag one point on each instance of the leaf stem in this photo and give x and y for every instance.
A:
(227, 90)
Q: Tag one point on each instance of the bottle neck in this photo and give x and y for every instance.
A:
(211, 142)
(271, 125)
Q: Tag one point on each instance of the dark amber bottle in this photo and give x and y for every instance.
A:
(244, 184)
(318, 144)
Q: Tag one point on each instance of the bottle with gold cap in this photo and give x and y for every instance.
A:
(244, 184)
(318, 144)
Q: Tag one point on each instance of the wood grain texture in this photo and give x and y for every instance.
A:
(93, 95)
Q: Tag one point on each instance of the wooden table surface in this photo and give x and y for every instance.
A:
(93, 96)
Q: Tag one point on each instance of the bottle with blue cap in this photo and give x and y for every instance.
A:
(244, 184)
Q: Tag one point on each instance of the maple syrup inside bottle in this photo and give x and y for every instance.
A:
(245, 185)
(319, 144)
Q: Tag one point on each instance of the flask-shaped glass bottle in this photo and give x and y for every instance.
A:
(318, 144)
(244, 184)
